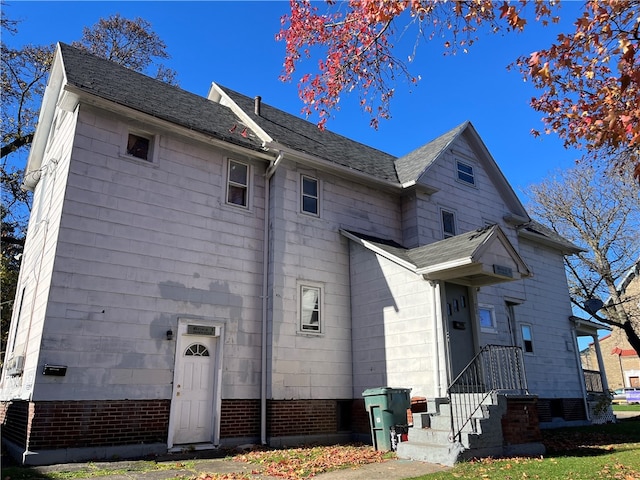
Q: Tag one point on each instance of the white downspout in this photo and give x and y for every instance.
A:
(265, 298)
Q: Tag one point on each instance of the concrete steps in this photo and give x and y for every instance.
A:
(430, 438)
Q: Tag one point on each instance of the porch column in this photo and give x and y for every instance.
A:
(603, 376)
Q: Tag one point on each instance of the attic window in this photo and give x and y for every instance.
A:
(138, 146)
(465, 173)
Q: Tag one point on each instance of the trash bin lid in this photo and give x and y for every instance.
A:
(384, 391)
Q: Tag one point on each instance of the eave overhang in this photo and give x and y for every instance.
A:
(479, 258)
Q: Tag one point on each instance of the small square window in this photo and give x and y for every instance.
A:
(527, 338)
(138, 146)
(310, 195)
(238, 184)
(465, 173)
(448, 224)
(487, 318)
(310, 309)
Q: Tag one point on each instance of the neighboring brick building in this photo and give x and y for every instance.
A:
(621, 361)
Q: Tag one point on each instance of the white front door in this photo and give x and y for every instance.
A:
(194, 387)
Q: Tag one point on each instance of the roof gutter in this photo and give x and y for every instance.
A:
(271, 169)
(326, 165)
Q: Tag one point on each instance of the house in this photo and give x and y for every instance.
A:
(201, 272)
(620, 360)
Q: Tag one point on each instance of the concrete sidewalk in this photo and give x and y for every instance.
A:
(135, 470)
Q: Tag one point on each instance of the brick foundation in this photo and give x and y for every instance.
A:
(302, 417)
(240, 418)
(520, 422)
(67, 424)
(14, 417)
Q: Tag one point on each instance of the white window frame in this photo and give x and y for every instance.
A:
(460, 172)
(305, 327)
(304, 177)
(230, 183)
(524, 346)
(152, 153)
(446, 234)
(485, 310)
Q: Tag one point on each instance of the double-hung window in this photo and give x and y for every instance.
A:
(448, 223)
(527, 338)
(238, 184)
(465, 173)
(310, 195)
(310, 309)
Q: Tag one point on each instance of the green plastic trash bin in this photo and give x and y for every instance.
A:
(387, 408)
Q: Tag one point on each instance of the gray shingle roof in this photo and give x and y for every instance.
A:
(412, 165)
(304, 136)
(126, 87)
(449, 249)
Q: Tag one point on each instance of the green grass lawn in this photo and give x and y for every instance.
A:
(599, 452)
(623, 407)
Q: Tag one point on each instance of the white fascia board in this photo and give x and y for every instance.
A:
(57, 78)
(459, 262)
(127, 112)
(541, 239)
(379, 251)
(217, 95)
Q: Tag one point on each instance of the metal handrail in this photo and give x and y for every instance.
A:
(495, 367)
(593, 381)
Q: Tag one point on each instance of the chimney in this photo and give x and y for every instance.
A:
(257, 102)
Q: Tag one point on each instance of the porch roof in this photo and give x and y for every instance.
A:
(481, 257)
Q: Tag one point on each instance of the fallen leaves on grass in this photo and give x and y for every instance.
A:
(223, 476)
(304, 463)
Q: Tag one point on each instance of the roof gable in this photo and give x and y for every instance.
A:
(480, 257)
(417, 166)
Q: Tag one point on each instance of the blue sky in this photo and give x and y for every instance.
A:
(232, 43)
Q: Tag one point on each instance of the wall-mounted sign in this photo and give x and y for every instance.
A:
(203, 330)
(502, 271)
(55, 370)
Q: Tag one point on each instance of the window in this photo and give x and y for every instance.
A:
(487, 316)
(448, 224)
(310, 309)
(139, 147)
(527, 338)
(465, 173)
(196, 350)
(238, 184)
(310, 195)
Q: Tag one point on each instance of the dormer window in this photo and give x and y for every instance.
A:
(465, 173)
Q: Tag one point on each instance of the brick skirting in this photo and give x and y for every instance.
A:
(14, 417)
(520, 422)
(78, 424)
